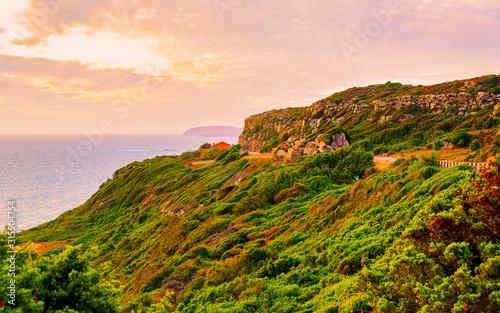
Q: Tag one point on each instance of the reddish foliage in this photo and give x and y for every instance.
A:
(446, 229)
(482, 205)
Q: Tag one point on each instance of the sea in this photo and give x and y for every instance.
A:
(47, 175)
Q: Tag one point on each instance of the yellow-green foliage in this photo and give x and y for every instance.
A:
(244, 236)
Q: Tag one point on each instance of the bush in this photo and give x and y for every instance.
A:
(460, 139)
(380, 150)
(475, 145)
(206, 145)
(399, 161)
(437, 145)
(210, 155)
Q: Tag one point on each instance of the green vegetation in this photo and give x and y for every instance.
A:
(437, 145)
(241, 236)
(323, 233)
(60, 281)
(475, 145)
(447, 259)
(460, 139)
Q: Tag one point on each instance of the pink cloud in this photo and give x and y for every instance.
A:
(260, 54)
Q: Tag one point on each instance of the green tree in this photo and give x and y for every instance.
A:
(437, 145)
(62, 282)
(461, 138)
(475, 145)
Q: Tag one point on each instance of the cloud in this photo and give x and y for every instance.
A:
(225, 65)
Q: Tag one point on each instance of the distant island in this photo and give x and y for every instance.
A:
(214, 131)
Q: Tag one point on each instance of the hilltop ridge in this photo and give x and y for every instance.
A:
(387, 114)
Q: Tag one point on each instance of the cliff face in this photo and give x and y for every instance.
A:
(365, 108)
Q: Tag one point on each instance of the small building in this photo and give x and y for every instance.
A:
(221, 146)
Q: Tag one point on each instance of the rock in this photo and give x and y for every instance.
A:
(310, 144)
(389, 153)
(370, 171)
(175, 282)
(447, 146)
(379, 104)
(339, 140)
(323, 143)
(301, 150)
(405, 117)
(279, 155)
(299, 144)
(309, 150)
(292, 155)
(384, 119)
(325, 149)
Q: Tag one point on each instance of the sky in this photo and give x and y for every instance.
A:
(164, 66)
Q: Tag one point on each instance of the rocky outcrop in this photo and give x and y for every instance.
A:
(286, 152)
(378, 104)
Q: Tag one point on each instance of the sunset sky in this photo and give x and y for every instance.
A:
(163, 66)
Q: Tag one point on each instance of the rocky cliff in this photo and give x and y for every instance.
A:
(361, 109)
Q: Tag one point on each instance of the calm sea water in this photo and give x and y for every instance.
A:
(49, 174)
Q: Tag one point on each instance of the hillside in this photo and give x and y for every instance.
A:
(213, 131)
(325, 232)
(386, 117)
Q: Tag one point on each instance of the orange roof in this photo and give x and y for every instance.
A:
(221, 146)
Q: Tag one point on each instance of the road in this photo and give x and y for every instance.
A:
(385, 159)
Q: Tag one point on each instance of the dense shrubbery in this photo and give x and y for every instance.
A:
(62, 281)
(210, 154)
(460, 139)
(448, 260)
(475, 145)
(246, 235)
(437, 145)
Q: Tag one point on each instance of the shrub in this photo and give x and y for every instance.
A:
(437, 145)
(210, 154)
(365, 144)
(206, 145)
(490, 123)
(399, 161)
(380, 150)
(475, 145)
(460, 139)
(495, 90)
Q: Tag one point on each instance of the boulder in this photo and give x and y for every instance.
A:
(292, 155)
(325, 149)
(447, 146)
(339, 140)
(310, 144)
(309, 150)
(278, 155)
(323, 143)
(299, 144)
(384, 119)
